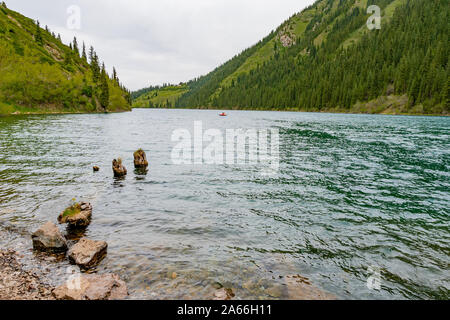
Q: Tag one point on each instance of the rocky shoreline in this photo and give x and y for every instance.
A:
(16, 283)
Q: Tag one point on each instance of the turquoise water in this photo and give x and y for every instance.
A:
(353, 191)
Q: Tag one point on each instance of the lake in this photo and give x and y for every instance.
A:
(356, 197)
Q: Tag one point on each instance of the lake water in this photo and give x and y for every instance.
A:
(354, 193)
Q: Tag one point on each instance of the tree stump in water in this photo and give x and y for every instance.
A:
(140, 159)
(118, 168)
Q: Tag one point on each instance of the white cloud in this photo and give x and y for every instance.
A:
(152, 42)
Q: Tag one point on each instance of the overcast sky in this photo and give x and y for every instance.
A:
(163, 41)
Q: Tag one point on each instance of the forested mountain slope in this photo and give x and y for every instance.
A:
(326, 59)
(38, 73)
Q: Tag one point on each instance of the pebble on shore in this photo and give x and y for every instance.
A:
(19, 284)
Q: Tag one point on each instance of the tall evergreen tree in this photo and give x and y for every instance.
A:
(91, 54)
(75, 46)
(38, 34)
(94, 63)
(115, 77)
(83, 54)
(104, 89)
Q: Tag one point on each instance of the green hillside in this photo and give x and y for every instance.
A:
(159, 97)
(39, 74)
(326, 59)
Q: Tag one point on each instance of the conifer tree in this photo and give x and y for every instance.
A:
(38, 34)
(75, 46)
(94, 63)
(115, 77)
(83, 54)
(91, 54)
(104, 94)
(312, 75)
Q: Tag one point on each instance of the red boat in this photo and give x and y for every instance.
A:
(223, 114)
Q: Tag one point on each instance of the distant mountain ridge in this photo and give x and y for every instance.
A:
(39, 74)
(326, 59)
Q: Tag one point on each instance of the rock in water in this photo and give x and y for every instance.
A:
(118, 168)
(96, 169)
(300, 288)
(92, 287)
(88, 253)
(224, 294)
(140, 159)
(77, 216)
(48, 238)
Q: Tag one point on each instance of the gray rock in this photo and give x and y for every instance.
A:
(88, 253)
(224, 294)
(92, 287)
(80, 219)
(48, 238)
(300, 288)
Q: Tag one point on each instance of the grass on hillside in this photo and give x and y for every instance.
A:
(297, 24)
(160, 98)
(386, 15)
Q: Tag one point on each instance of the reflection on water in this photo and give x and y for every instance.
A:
(353, 191)
(140, 174)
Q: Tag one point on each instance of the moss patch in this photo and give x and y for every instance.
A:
(71, 211)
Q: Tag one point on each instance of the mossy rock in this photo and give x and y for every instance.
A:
(77, 215)
(71, 211)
